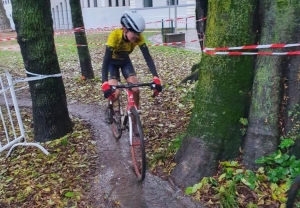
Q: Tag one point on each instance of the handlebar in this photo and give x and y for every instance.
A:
(131, 85)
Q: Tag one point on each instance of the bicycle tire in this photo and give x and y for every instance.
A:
(116, 126)
(292, 193)
(137, 147)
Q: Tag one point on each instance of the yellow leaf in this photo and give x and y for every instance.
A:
(261, 170)
(274, 196)
(46, 189)
(222, 176)
(273, 186)
(245, 182)
(282, 206)
(261, 202)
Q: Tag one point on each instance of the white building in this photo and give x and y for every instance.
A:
(107, 13)
(7, 7)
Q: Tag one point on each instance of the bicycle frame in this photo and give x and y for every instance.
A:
(130, 103)
(127, 88)
(131, 114)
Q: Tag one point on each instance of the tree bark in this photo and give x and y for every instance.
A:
(222, 93)
(80, 37)
(4, 21)
(280, 24)
(201, 12)
(291, 77)
(33, 23)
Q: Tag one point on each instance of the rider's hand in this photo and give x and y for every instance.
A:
(158, 87)
(108, 92)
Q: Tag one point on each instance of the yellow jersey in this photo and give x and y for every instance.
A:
(120, 47)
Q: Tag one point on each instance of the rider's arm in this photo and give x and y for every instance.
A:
(148, 59)
(105, 64)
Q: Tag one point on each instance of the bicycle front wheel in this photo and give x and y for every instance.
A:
(292, 193)
(137, 145)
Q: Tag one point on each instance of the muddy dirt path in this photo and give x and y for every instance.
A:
(116, 184)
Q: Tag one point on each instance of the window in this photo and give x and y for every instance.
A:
(95, 3)
(148, 3)
(62, 13)
(88, 2)
(172, 2)
(67, 16)
(117, 2)
(53, 13)
(124, 2)
(57, 10)
(109, 3)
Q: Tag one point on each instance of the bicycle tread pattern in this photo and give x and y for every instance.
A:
(138, 151)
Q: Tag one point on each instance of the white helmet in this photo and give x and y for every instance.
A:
(133, 21)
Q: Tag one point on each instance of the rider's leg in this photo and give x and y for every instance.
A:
(117, 92)
(136, 98)
(136, 93)
(130, 76)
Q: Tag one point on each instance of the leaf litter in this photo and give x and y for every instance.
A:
(31, 179)
(28, 178)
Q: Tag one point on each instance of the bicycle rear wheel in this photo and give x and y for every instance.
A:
(137, 147)
(116, 126)
(292, 193)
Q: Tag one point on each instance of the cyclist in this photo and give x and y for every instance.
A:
(120, 44)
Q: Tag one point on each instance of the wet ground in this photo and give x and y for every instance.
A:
(116, 184)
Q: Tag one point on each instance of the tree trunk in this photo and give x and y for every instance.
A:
(222, 95)
(33, 23)
(201, 12)
(280, 24)
(291, 76)
(4, 21)
(80, 37)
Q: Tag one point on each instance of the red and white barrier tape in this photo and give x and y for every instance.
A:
(247, 47)
(235, 53)
(8, 39)
(8, 48)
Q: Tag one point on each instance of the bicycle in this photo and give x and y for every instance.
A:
(292, 192)
(124, 120)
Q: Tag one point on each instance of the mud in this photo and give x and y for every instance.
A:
(116, 184)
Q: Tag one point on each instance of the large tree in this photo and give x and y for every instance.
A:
(80, 37)
(4, 21)
(276, 94)
(33, 23)
(222, 96)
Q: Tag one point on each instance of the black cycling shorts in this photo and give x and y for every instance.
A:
(125, 66)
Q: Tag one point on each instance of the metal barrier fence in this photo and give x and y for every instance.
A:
(12, 132)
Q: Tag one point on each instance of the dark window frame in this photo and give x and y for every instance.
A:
(148, 3)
